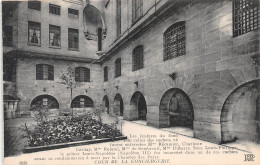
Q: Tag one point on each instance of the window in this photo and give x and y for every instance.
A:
(245, 16)
(73, 13)
(82, 74)
(137, 9)
(118, 67)
(35, 5)
(73, 39)
(82, 102)
(54, 35)
(8, 69)
(138, 58)
(174, 41)
(44, 72)
(54, 9)
(105, 73)
(8, 36)
(34, 34)
(118, 17)
(99, 39)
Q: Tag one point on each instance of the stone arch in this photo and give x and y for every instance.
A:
(106, 104)
(239, 114)
(82, 104)
(46, 99)
(82, 101)
(138, 107)
(176, 109)
(118, 107)
(93, 20)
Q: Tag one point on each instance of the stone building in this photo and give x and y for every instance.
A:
(172, 63)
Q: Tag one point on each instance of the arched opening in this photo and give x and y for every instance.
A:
(138, 106)
(94, 25)
(46, 100)
(240, 114)
(106, 104)
(82, 104)
(118, 107)
(176, 111)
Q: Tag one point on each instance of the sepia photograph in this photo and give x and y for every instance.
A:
(130, 82)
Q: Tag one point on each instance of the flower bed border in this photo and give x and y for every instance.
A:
(28, 149)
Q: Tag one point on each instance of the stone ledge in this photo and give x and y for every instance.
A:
(28, 149)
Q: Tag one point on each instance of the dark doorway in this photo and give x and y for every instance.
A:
(106, 104)
(118, 105)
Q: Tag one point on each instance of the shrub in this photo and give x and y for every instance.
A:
(41, 111)
(70, 129)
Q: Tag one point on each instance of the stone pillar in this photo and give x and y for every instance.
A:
(207, 131)
(153, 118)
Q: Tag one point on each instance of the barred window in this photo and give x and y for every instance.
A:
(137, 9)
(105, 73)
(138, 58)
(44, 72)
(118, 67)
(81, 102)
(246, 16)
(7, 36)
(35, 5)
(54, 35)
(82, 74)
(54, 9)
(34, 32)
(73, 39)
(118, 17)
(72, 13)
(174, 41)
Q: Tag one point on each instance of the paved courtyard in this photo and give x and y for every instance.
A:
(136, 132)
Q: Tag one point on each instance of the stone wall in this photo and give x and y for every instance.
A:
(214, 65)
(28, 87)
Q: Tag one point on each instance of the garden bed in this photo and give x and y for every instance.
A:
(28, 149)
(68, 131)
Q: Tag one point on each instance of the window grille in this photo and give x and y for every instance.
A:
(118, 17)
(72, 13)
(8, 36)
(35, 5)
(34, 34)
(44, 72)
(245, 16)
(118, 67)
(138, 58)
(54, 9)
(82, 101)
(73, 38)
(105, 73)
(82, 74)
(174, 41)
(137, 9)
(54, 35)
